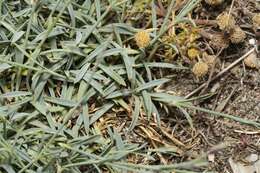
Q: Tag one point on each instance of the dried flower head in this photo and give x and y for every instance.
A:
(193, 53)
(256, 20)
(237, 35)
(226, 21)
(142, 39)
(209, 59)
(214, 2)
(218, 42)
(251, 60)
(200, 69)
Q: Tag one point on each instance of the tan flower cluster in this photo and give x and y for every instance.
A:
(142, 39)
(200, 69)
(234, 34)
(226, 21)
(251, 60)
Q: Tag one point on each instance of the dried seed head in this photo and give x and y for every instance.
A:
(237, 36)
(193, 53)
(209, 59)
(214, 2)
(256, 20)
(142, 39)
(226, 21)
(251, 60)
(200, 69)
(218, 42)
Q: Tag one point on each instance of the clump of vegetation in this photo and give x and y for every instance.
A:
(77, 77)
(180, 42)
(70, 64)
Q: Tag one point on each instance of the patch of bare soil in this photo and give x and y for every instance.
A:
(236, 92)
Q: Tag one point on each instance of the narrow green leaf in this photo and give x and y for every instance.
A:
(17, 36)
(235, 118)
(4, 66)
(95, 84)
(112, 74)
(135, 113)
(100, 112)
(61, 102)
(187, 116)
(101, 48)
(147, 101)
(82, 72)
(86, 119)
(15, 94)
(119, 93)
(151, 84)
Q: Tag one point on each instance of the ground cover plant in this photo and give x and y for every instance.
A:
(90, 85)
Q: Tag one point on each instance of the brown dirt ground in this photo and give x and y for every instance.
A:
(244, 101)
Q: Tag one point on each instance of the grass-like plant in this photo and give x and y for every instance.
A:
(71, 61)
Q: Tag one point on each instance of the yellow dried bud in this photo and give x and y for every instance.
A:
(218, 42)
(237, 36)
(214, 2)
(193, 53)
(226, 21)
(142, 39)
(200, 69)
(256, 20)
(251, 60)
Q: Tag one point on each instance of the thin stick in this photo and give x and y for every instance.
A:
(221, 73)
(231, 7)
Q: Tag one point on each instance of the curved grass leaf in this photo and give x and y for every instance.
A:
(135, 114)
(147, 101)
(112, 74)
(15, 94)
(61, 102)
(100, 112)
(151, 84)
